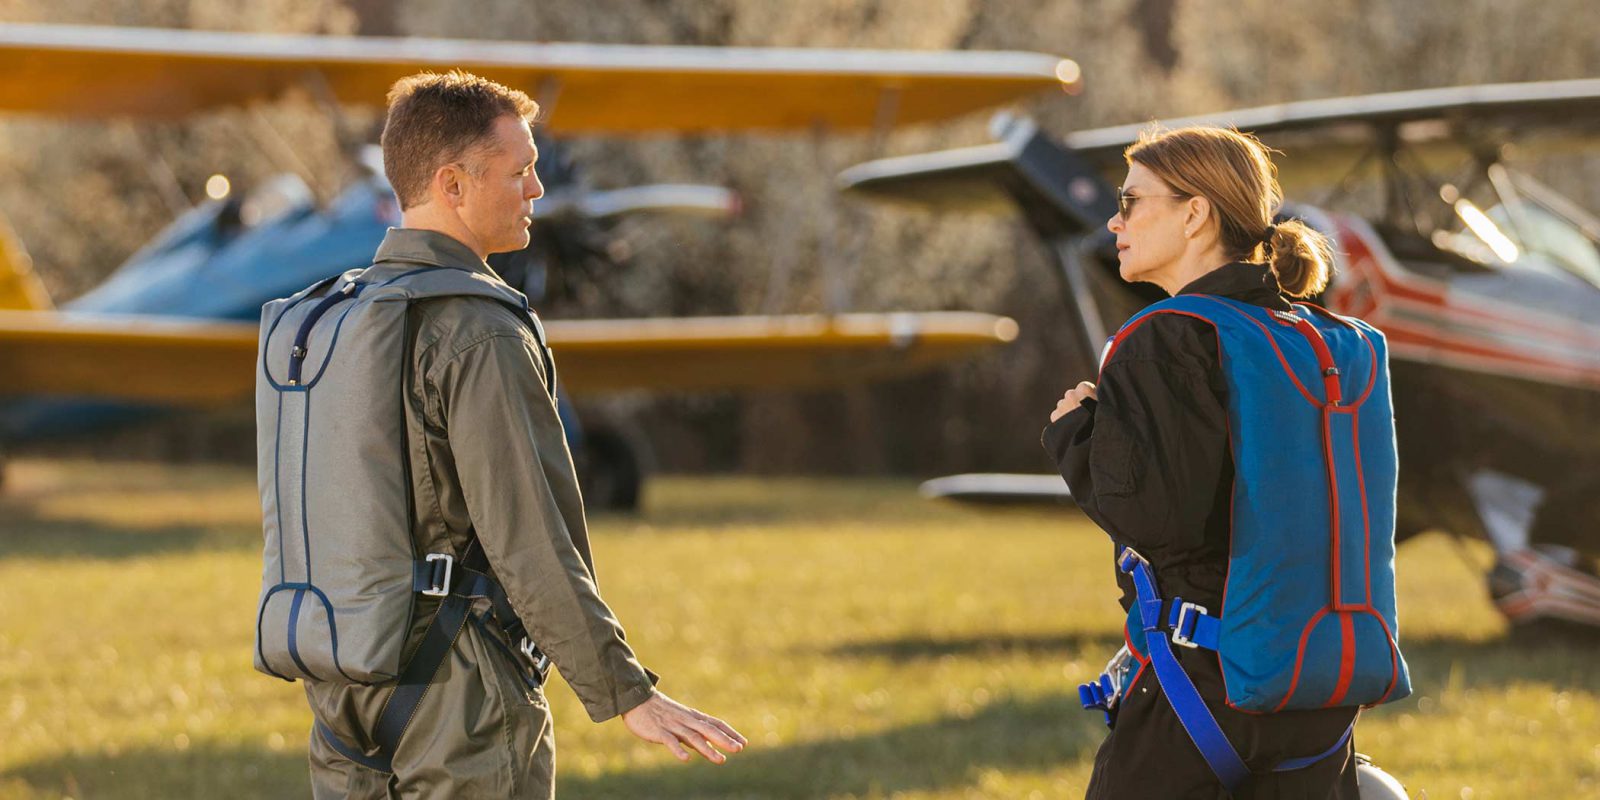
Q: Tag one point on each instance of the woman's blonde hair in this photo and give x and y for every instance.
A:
(1235, 172)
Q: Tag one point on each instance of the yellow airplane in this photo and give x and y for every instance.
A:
(94, 72)
(163, 331)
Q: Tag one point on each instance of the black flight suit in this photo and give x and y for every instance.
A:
(1149, 462)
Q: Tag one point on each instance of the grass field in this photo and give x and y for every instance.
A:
(870, 644)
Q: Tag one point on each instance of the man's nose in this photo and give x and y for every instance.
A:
(533, 189)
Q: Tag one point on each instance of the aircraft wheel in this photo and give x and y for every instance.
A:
(610, 472)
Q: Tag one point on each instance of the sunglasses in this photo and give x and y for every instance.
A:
(1125, 200)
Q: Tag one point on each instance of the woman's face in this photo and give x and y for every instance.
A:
(1150, 235)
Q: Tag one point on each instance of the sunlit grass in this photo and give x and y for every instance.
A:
(869, 643)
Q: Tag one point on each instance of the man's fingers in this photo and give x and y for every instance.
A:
(729, 731)
(682, 729)
(694, 739)
(708, 729)
(677, 749)
(700, 732)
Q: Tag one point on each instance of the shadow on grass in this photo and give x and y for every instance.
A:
(1008, 736)
(25, 537)
(202, 771)
(910, 648)
(747, 503)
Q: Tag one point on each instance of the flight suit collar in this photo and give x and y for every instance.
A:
(1241, 280)
(432, 248)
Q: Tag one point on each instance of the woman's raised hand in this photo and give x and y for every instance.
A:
(1072, 399)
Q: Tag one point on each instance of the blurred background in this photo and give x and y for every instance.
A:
(83, 195)
(871, 644)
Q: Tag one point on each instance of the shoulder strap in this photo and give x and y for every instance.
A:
(430, 282)
(1197, 306)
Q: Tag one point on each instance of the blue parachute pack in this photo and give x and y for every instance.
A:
(1308, 611)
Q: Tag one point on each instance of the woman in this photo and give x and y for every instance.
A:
(1147, 455)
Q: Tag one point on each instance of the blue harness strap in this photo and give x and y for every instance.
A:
(1301, 763)
(1192, 713)
(1190, 625)
(1100, 693)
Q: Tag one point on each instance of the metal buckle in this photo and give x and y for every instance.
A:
(535, 656)
(1117, 670)
(1178, 636)
(1129, 553)
(440, 588)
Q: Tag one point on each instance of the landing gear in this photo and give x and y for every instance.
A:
(1546, 584)
(610, 471)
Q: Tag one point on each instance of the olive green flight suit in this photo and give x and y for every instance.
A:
(488, 456)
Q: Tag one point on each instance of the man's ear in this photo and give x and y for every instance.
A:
(449, 184)
(1198, 214)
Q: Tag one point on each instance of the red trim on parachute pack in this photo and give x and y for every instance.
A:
(1347, 658)
(1282, 360)
(1394, 658)
(1335, 562)
(1137, 656)
(1299, 659)
(1372, 369)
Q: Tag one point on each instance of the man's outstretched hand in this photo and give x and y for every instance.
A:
(668, 722)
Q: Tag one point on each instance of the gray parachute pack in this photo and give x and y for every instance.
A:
(341, 572)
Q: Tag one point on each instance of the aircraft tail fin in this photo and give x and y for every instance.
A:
(20, 287)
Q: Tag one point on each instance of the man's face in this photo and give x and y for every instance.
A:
(498, 193)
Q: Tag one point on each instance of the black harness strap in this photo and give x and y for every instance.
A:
(467, 583)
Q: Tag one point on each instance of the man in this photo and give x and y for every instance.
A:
(489, 463)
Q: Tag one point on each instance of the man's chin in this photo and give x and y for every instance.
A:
(513, 243)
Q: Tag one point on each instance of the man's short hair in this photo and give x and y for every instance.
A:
(436, 120)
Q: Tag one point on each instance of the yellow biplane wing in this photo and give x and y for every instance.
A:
(20, 287)
(88, 71)
(164, 360)
(79, 71)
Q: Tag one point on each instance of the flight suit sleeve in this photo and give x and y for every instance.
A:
(508, 444)
(1145, 459)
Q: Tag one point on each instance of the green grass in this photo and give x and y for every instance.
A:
(869, 643)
